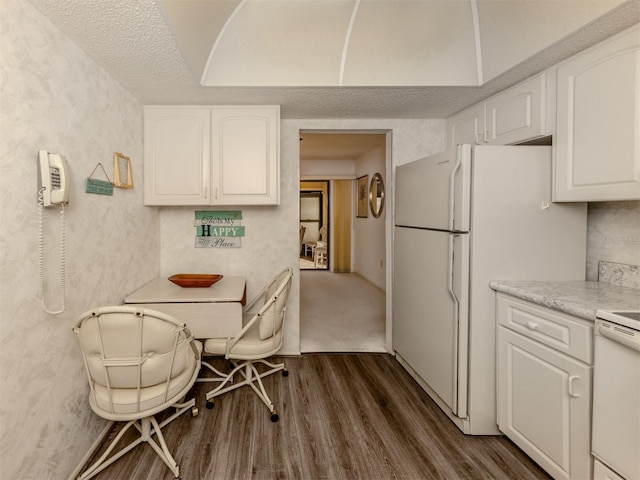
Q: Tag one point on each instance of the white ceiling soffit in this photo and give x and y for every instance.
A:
(368, 43)
(157, 50)
(338, 146)
(512, 31)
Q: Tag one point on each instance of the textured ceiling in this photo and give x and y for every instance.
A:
(133, 41)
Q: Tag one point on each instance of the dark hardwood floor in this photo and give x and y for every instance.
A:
(342, 416)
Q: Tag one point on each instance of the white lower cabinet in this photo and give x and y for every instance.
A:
(544, 386)
(602, 472)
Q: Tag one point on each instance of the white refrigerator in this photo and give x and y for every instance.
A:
(463, 218)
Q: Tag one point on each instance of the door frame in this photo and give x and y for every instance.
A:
(389, 192)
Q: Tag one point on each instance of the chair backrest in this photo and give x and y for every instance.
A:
(323, 233)
(136, 359)
(302, 230)
(275, 304)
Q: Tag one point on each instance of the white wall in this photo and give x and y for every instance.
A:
(55, 97)
(369, 239)
(327, 169)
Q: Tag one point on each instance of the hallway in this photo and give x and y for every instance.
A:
(340, 312)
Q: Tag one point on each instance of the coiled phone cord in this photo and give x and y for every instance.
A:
(41, 254)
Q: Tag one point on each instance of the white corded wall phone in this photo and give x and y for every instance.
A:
(52, 190)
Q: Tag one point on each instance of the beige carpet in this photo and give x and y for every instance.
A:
(307, 263)
(340, 312)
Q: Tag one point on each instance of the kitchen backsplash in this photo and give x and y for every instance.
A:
(613, 235)
(619, 274)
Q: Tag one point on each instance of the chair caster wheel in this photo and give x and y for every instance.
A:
(274, 417)
(285, 373)
(210, 404)
(194, 411)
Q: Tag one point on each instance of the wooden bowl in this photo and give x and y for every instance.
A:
(194, 280)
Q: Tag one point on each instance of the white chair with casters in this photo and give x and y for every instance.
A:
(260, 338)
(320, 254)
(311, 246)
(139, 363)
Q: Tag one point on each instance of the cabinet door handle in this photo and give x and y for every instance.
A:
(478, 138)
(486, 137)
(206, 192)
(532, 325)
(571, 379)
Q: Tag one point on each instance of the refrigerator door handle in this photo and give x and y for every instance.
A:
(456, 319)
(458, 286)
(459, 191)
(452, 194)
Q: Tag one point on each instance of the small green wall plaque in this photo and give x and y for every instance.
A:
(99, 187)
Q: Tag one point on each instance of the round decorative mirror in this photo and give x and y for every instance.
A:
(376, 195)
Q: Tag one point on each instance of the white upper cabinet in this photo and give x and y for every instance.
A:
(598, 122)
(466, 127)
(516, 115)
(244, 155)
(177, 152)
(227, 155)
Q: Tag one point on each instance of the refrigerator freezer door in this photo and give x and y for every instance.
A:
(425, 326)
(434, 192)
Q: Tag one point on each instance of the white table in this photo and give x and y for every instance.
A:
(211, 312)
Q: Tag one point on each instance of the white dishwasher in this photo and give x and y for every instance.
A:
(615, 437)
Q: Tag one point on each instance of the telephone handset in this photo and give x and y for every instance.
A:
(53, 171)
(53, 189)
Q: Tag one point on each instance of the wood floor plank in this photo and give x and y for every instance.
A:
(342, 416)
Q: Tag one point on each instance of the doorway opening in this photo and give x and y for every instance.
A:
(343, 312)
(314, 225)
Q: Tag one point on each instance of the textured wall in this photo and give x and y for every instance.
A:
(613, 234)
(369, 257)
(55, 97)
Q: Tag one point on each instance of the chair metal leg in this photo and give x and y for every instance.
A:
(220, 389)
(219, 378)
(162, 450)
(102, 462)
(259, 390)
(146, 433)
(251, 377)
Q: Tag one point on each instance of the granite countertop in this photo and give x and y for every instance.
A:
(577, 298)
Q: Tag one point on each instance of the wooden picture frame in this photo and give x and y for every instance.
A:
(362, 196)
(122, 176)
